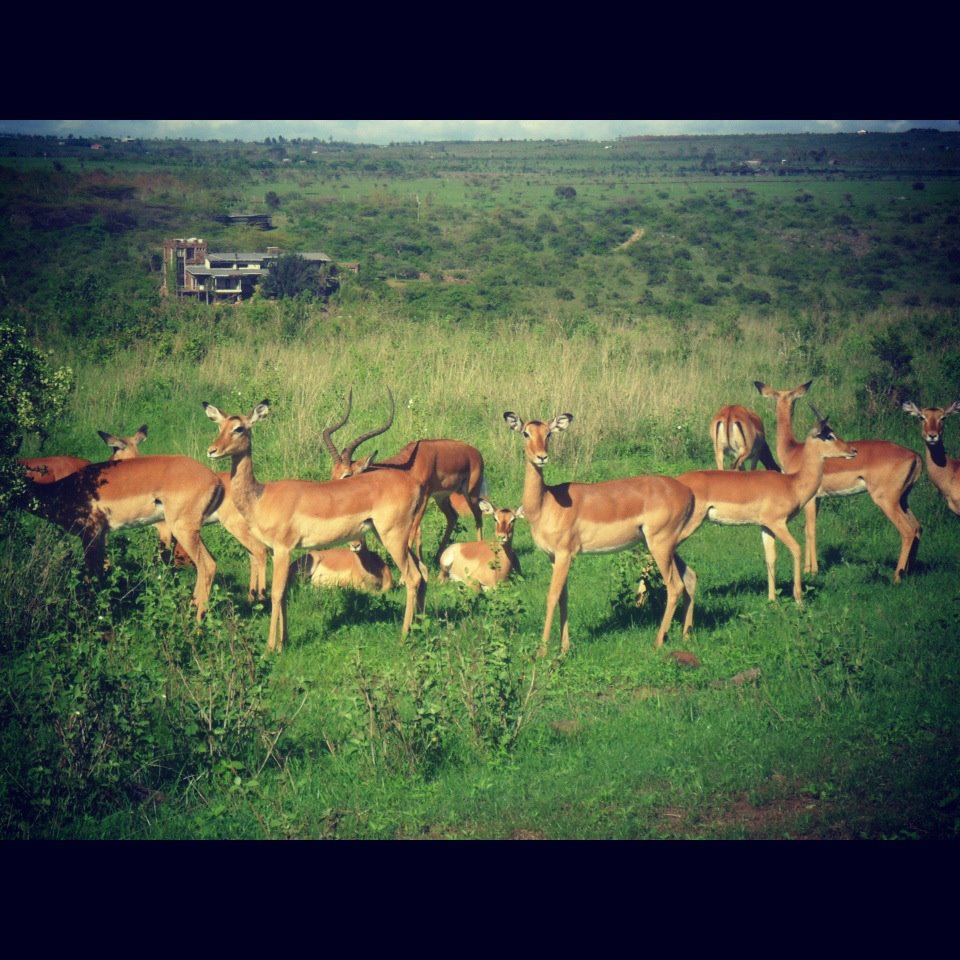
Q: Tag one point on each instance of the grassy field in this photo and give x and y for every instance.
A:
(121, 718)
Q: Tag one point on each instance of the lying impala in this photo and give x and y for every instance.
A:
(944, 471)
(739, 431)
(572, 518)
(131, 493)
(444, 468)
(767, 500)
(484, 565)
(290, 514)
(353, 566)
(884, 470)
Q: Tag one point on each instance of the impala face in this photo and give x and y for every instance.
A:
(503, 518)
(234, 436)
(932, 417)
(536, 434)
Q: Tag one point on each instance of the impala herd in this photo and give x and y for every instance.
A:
(388, 498)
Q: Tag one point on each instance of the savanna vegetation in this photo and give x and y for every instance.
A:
(640, 285)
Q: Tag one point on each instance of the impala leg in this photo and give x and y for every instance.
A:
(810, 535)
(409, 566)
(450, 513)
(278, 599)
(899, 514)
(664, 556)
(557, 591)
(787, 539)
(238, 528)
(690, 588)
(94, 540)
(193, 546)
(770, 556)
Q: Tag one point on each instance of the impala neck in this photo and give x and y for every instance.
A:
(534, 490)
(807, 480)
(786, 441)
(936, 455)
(244, 488)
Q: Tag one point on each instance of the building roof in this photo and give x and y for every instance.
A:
(261, 256)
(200, 271)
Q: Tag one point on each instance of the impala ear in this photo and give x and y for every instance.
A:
(486, 507)
(261, 410)
(910, 407)
(561, 422)
(513, 421)
(762, 388)
(519, 513)
(360, 466)
(213, 413)
(803, 388)
(140, 435)
(953, 408)
(111, 441)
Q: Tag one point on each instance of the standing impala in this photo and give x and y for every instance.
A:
(132, 493)
(884, 470)
(572, 518)
(445, 468)
(288, 515)
(944, 471)
(127, 448)
(767, 500)
(739, 431)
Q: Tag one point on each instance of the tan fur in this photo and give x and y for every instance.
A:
(291, 514)
(572, 518)
(354, 566)
(131, 493)
(481, 564)
(884, 470)
(739, 431)
(943, 470)
(767, 500)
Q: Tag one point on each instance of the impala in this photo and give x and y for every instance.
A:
(353, 566)
(51, 469)
(290, 514)
(767, 500)
(944, 471)
(444, 468)
(127, 448)
(132, 493)
(884, 470)
(571, 518)
(484, 565)
(739, 431)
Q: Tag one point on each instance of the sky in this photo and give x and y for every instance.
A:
(401, 131)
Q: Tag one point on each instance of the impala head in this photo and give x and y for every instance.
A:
(503, 518)
(832, 447)
(124, 448)
(783, 397)
(234, 435)
(932, 417)
(536, 434)
(343, 463)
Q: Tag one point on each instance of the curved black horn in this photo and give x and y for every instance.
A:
(328, 433)
(348, 450)
(820, 417)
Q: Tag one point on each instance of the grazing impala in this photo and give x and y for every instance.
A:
(290, 514)
(572, 518)
(739, 431)
(51, 469)
(131, 493)
(767, 500)
(884, 470)
(484, 565)
(944, 471)
(353, 566)
(445, 468)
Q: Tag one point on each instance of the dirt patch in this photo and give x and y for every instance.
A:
(633, 238)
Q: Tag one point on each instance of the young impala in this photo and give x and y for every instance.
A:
(944, 471)
(353, 566)
(131, 493)
(739, 431)
(484, 565)
(882, 469)
(288, 515)
(768, 499)
(445, 468)
(571, 518)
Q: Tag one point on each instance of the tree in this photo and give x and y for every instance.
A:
(32, 397)
(292, 275)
